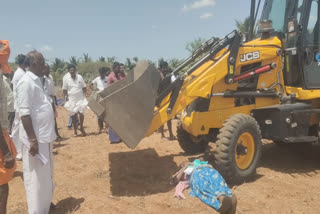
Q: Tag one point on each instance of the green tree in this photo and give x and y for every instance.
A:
(131, 63)
(102, 59)
(195, 44)
(73, 60)
(111, 59)
(135, 59)
(57, 65)
(151, 62)
(174, 63)
(244, 26)
(86, 57)
(90, 70)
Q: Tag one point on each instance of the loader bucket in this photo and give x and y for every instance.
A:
(129, 103)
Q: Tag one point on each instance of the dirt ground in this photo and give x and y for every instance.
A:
(93, 176)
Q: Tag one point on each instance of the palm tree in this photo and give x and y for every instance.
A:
(73, 60)
(195, 44)
(57, 63)
(135, 59)
(86, 57)
(151, 62)
(244, 26)
(173, 63)
(111, 60)
(102, 59)
(128, 63)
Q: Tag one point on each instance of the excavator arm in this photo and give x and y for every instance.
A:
(196, 82)
(134, 108)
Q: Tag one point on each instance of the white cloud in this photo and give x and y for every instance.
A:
(28, 46)
(205, 15)
(198, 4)
(46, 48)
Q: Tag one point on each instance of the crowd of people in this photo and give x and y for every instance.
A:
(28, 125)
(28, 120)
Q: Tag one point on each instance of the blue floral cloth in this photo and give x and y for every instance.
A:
(207, 184)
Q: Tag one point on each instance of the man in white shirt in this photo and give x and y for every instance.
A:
(101, 81)
(101, 84)
(36, 133)
(18, 74)
(9, 93)
(49, 88)
(66, 76)
(74, 90)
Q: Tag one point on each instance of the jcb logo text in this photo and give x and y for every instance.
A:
(249, 56)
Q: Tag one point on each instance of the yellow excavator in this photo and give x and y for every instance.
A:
(233, 91)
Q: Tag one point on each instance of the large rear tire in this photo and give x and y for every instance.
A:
(188, 144)
(238, 149)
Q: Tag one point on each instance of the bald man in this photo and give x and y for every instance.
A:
(37, 133)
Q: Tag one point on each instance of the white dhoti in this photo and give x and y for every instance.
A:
(75, 105)
(15, 135)
(38, 179)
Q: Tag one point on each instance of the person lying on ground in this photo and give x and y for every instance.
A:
(207, 184)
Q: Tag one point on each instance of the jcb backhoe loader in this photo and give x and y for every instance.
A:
(232, 91)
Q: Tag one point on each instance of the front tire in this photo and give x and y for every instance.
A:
(238, 149)
(188, 144)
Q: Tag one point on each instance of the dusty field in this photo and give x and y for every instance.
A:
(93, 176)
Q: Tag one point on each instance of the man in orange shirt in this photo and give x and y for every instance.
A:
(7, 149)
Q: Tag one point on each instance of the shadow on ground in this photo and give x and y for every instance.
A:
(58, 145)
(140, 173)
(303, 159)
(18, 174)
(68, 205)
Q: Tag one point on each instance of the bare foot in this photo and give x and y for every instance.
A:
(226, 204)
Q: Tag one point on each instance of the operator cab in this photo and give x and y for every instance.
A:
(302, 62)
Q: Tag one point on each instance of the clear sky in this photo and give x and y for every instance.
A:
(149, 29)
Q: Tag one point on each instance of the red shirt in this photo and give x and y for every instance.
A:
(112, 78)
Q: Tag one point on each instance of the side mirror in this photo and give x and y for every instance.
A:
(292, 27)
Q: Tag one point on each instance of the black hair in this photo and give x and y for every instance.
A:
(104, 70)
(20, 59)
(71, 66)
(115, 64)
(163, 64)
(121, 64)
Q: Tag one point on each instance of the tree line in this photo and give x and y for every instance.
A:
(88, 68)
